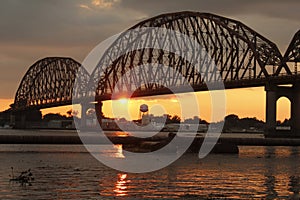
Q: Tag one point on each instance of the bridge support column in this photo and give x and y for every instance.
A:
(295, 111)
(20, 120)
(27, 119)
(270, 109)
(99, 114)
(274, 92)
(84, 108)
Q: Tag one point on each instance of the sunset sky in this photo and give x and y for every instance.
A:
(33, 29)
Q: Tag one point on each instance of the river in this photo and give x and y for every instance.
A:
(70, 172)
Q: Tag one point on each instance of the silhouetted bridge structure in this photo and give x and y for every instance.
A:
(241, 56)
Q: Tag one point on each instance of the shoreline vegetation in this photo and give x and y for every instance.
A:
(232, 123)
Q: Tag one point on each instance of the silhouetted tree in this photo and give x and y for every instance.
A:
(173, 120)
(286, 122)
(70, 112)
(233, 122)
(55, 116)
(195, 120)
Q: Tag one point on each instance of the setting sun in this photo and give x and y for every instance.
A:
(123, 101)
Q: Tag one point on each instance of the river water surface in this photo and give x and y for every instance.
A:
(69, 172)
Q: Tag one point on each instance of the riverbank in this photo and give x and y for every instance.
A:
(71, 137)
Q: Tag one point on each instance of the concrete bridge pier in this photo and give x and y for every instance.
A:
(27, 118)
(84, 109)
(85, 117)
(20, 120)
(295, 110)
(274, 92)
(270, 108)
(98, 110)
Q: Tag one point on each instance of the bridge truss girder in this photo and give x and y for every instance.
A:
(239, 53)
(49, 82)
(292, 53)
(243, 58)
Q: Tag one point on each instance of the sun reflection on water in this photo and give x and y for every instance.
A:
(121, 185)
(119, 151)
(121, 134)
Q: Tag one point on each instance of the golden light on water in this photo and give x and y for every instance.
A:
(121, 185)
(121, 134)
(119, 151)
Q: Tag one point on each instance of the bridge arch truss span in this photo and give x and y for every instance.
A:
(239, 53)
(292, 53)
(49, 82)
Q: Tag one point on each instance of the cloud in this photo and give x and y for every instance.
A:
(62, 23)
(105, 3)
(272, 8)
(85, 7)
(59, 23)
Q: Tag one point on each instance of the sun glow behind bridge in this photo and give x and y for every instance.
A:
(236, 101)
(123, 101)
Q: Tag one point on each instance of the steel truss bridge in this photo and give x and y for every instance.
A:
(241, 58)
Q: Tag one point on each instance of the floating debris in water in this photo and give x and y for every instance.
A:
(25, 177)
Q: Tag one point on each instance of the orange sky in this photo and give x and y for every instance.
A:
(248, 102)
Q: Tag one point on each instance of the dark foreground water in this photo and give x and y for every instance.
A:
(68, 172)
